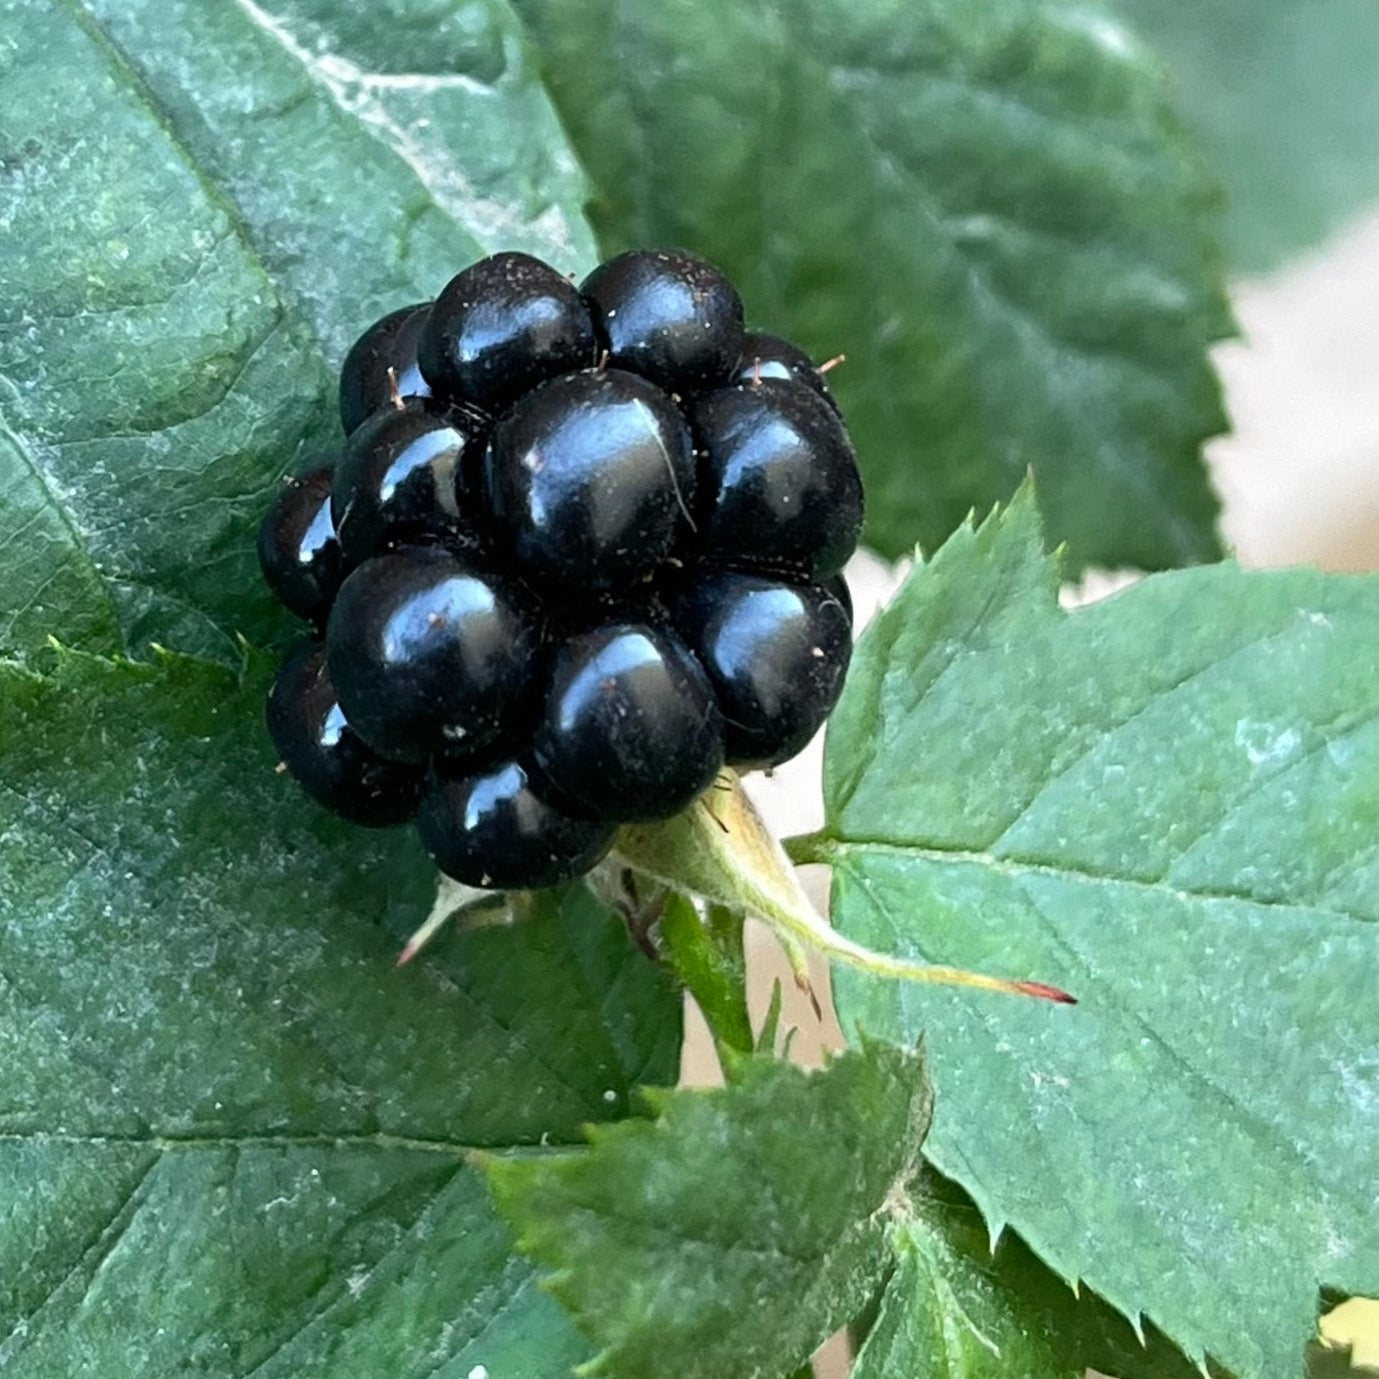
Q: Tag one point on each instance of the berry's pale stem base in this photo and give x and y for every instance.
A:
(720, 851)
(458, 902)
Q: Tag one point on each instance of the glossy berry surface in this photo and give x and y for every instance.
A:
(325, 755)
(768, 356)
(780, 488)
(582, 546)
(399, 478)
(493, 829)
(837, 586)
(428, 655)
(298, 551)
(502, 326)
(776, 655)
(630, 729)
(590, 478)
(668, 315)
(365, 383)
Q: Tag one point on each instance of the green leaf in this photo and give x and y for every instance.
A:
(988, 206)
(956, 1307)
(796, 1192)
(1286, 98)
(738, 1230)
(1166, 803)
(233, 1137)
(201, 203)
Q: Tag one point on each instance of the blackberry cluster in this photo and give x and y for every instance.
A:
(582, 547)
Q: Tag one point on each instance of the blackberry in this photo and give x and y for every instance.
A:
(590, 478)
(326, 756)
(582, 547)
(493, 828)
(768, 356)
(401, 478)
(781, 488)
(382, 366)
(630, 730)
(776, 654)
(667, 315)
(298, 550)
(502, 326)
(429, 656)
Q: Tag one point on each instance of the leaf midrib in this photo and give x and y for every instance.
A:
(164, 1143)
(66, 518)
(838, 851)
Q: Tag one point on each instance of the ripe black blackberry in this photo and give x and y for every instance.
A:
(298, 549)
(781, 488)
(582, 548)
(402, 479)
(320, 748)
(382, 364)
(589, 480)
(776, 654)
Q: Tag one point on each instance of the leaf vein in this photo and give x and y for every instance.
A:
(102, 1246)
(837, 851)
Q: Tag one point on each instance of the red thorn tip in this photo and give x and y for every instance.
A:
(830, 364)
(1046, 993)
(407, 954)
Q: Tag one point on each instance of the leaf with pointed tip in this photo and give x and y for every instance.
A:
(1166, 802)
(721, 851)
(736, 1231)
(989, 207)
(658, 1232)
(233, 1137)
(202, 202)
(956, 1306)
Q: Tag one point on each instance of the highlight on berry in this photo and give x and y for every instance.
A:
(582, 548)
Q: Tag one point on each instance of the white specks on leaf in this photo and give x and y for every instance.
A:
(1112, 38)
(1341, 752)
(1266, 744)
